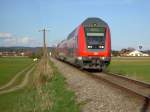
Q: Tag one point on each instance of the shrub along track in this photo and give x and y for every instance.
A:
(10, 86)
(42, 74)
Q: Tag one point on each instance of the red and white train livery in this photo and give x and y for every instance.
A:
(87, 46)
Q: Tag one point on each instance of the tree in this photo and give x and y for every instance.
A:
(37, 54)
(130, 49)
(115, 53)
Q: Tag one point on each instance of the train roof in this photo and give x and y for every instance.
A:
(93, 20)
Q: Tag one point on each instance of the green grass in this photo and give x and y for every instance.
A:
(135, 67)
(10, 66)
(14, 101)
(63, 99)
(10, 100)
(28, 100)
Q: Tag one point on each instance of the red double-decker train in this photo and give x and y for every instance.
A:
(87, 46)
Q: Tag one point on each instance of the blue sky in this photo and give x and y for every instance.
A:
(21, 20)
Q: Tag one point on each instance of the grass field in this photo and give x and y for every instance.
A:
(9, 66)
(29, 100)
(14, 101)
(134, 67)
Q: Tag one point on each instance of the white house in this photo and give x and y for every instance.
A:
(22, 53)
(137, 53)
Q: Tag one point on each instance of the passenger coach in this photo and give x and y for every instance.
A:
(87, 46)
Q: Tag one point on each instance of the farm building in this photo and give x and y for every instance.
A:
(137, 53)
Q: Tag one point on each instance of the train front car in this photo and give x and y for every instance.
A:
(94, 44)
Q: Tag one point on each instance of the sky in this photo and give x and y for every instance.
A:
(22, 20)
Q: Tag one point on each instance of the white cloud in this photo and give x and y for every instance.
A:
(9, 42)
(27, 41)
(24, 40)
(5, 35)
(7, 39)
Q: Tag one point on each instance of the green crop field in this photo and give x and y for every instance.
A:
(9, 66)
(54, 91)
(134, 67)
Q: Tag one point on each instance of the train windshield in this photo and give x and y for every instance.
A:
(95, 38)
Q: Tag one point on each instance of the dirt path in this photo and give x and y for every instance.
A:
(15, 77)
(23, 83)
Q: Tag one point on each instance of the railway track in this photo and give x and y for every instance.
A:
(133, 89)
(139, 88)
(130, 85)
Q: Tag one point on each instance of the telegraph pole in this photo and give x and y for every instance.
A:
(44, 42)
(45, 53)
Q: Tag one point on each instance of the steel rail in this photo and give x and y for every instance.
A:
(130, 81)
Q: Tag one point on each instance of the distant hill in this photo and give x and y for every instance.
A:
(21, 49)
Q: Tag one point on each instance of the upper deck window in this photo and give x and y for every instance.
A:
(95, 37)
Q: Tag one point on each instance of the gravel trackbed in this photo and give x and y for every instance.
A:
(98, 96)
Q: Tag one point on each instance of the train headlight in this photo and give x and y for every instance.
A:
(79, 58)
(102, 58)
(89, 46)
(101, 46)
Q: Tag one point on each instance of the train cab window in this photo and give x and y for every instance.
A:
(95, 38)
